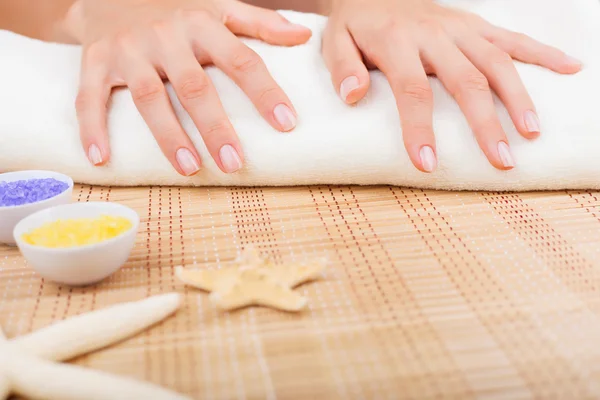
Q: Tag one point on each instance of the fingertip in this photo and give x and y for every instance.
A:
(530, 125)
(187, 163)
(231, 158)
(571, 65)
(285, 117)
(96, 156)
(352, 89)
(505, 157)
(267, 25)
(288, 35)
(427, 159)
(305, 31)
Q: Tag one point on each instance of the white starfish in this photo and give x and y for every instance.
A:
(29, 364)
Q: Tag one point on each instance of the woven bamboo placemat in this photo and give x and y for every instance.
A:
(428, 295)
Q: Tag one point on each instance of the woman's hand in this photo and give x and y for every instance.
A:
(408, 39)
(138, 43)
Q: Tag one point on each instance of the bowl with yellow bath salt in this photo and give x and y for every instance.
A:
(78, 243)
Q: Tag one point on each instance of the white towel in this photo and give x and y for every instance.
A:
(333, 143)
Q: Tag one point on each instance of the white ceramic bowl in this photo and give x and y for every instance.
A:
(10, 215)
(80, 265)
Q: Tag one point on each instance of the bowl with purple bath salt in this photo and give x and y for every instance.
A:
(25, 192)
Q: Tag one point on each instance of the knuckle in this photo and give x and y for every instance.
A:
(471, 81)
(124, 41)
(162, 27)
(475, 20)
(520, 37)
(168, 135)
(83, 101)
(486, 124)
(95, 53)
(389, 27)
(431, 26)
(266, 95)
(216, 130)
(147, 91)
(516, 42)
(417, 130)
(194, 16)
(499, 58)
(246, 61)
(418, 91)
(192, 86)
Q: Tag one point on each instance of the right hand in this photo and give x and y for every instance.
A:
(137, 44)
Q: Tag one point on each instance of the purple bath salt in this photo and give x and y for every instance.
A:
(29, 191)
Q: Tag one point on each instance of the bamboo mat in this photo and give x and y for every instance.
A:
(428, 295)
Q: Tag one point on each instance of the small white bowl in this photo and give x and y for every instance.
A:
(79, 265)
(10, 215)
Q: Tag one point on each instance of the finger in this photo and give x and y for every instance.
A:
(400, 62)
(90, 104)
(523, 48)
(499, 69)
(200, 99)
(344, 61)
(154, 105)
(266, 25)
(471, 90)
(249, 72)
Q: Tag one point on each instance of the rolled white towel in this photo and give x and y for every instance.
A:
(333, 143)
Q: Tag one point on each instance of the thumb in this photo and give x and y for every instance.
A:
(266, 25)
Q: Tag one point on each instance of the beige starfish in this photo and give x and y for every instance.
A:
(28, 364)
(254, 281)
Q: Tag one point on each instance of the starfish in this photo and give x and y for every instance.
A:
(254, 281)
(29, 365)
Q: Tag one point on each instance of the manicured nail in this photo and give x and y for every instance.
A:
(532, 123)
(574, 61)
(348, 85)
(230, 159)
(94, 155)
(505, 155)
(428, 160)
(285, 117)
(187, 161)
(296, 27)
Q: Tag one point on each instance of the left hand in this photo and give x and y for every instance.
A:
(408, 39)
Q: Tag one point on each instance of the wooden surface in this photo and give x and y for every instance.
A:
(428, 295)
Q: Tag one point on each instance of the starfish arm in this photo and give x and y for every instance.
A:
(38, 379)
(91, 331)
(5, 387)
(250, 256)
(266, 293)
(283, 299)
(294, 274)
(203, 279)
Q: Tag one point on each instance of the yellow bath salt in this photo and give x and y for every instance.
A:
(77, 232)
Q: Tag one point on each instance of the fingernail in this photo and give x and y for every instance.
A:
(532, 123)
(428, 158)
(94, 155)
(285, 117)
(296, 27)
(230, 159)
(187, 161)
(348, 85)
(289, 24)
(573, 61)
(505, 155)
